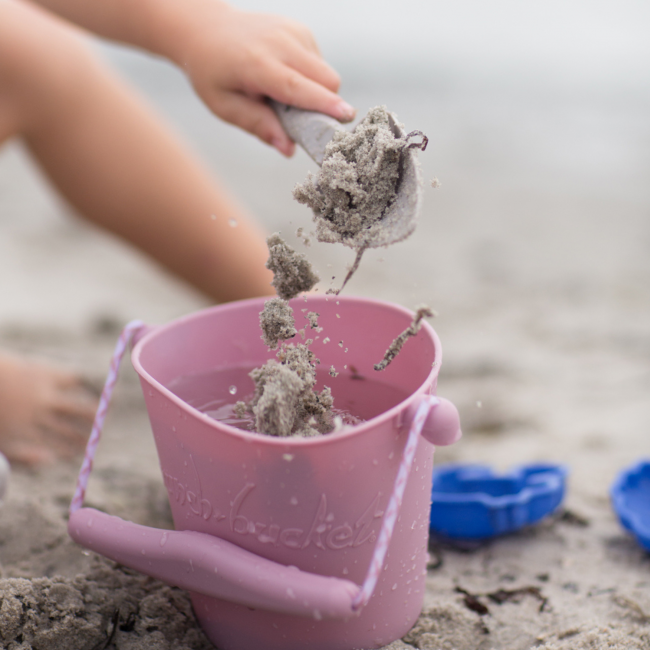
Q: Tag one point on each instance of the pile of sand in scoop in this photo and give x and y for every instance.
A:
(357, 182)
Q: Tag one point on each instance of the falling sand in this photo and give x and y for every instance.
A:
(277, 322)
(285, 402)
(292, 272)
(358, 182)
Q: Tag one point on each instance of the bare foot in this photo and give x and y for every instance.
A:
(45, 413)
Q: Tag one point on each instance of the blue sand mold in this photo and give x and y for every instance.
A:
(630, 494)
(472, 502)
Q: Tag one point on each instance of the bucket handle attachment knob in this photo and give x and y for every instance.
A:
(442, 424)
(214, 567)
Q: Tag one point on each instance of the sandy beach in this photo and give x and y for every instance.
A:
(534, 252)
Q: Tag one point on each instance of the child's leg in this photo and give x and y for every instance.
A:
(115, 161)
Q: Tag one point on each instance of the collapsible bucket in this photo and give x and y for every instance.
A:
(289, 543)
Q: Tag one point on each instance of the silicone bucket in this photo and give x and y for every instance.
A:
(275, 536)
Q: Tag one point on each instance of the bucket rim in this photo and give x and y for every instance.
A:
(289, 441)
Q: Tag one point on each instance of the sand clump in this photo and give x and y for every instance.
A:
(285, 402)
(277, 322)
(357, 181)
(312, 317)
(292, 272)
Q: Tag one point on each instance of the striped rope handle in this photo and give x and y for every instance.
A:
(377, 562)
(129, 331)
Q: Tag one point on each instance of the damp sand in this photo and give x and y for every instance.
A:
(277, 322)
(357, 184)
(292, 272)
(285, 402)
(357, 181)
(107, 607)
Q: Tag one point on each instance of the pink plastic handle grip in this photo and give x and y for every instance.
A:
(188, 559)
(212, 566)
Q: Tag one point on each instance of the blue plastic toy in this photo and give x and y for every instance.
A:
(630, 495)
(471, 502)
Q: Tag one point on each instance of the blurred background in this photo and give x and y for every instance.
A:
(534, 250)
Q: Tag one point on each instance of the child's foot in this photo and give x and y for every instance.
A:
(45, 413)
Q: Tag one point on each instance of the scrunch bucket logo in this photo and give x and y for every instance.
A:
(325, 532)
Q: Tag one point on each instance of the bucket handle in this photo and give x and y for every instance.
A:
(214, 567)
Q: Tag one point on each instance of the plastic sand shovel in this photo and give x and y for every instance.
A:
(287, 543)
(471, 502)
(312, 131)
(630, 494)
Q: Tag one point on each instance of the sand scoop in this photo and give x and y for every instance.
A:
(313, 131)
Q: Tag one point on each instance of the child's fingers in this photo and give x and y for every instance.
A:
(313, 67)
(287, 85)
(253, 116)
(304, 36)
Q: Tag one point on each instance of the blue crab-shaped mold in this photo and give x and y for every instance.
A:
(630, 494)
(471, 502)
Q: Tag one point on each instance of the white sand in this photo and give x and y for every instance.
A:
(534, 252)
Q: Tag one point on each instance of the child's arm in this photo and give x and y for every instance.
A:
(234, 59)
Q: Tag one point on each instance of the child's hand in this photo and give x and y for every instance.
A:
(236, 59)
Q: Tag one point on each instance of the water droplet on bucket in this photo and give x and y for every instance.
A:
(293, 501)
(232, 390)
(394, 587)
(232, 223)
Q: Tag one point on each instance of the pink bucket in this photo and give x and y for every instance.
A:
(275, 536)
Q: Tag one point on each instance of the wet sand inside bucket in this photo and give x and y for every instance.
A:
(216, 393)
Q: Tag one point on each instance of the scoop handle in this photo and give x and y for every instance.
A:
(213, 567)
(311, 130)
